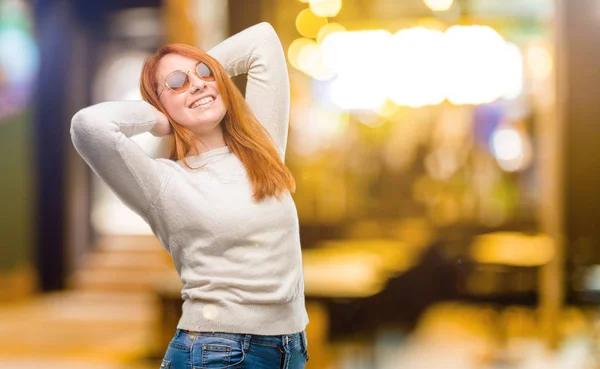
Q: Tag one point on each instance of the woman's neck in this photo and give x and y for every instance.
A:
(210, 141)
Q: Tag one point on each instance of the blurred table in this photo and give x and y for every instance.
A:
(354, 268)
(347, 269)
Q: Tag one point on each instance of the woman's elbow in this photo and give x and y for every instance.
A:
(86, 124)
(268, 31)
(80, 121)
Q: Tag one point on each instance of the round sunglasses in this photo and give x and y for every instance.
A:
(179, 80)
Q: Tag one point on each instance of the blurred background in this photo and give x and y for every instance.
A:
(445, 154)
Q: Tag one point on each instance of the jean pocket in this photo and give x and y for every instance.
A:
(182, 342)
(219, 353)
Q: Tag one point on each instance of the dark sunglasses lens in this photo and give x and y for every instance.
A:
(204, 72)
(177, 80)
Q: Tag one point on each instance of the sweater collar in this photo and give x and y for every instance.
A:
(201, 158)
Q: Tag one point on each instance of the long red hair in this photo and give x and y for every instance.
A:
(242, 132)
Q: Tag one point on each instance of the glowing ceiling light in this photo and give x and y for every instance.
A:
(416, 73)
(417, 66)
(475, 57)
(357, 51)
(439, 5)
(326, 8)
(353, 55)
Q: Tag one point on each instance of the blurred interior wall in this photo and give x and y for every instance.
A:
(55, 28)
(579, 95)
(570, 176)
(552, 204)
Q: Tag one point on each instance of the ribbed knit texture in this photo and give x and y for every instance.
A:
(239, 260)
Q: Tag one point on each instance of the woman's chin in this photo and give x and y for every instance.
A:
(202, 121)
(208, 116)
(203, 125)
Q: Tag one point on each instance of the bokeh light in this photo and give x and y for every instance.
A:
(417, 66)
(360, 82)
(294, 50)
(415, 73)
(19, 57)
(308, 23)
(328, 29)
(507, 144)
(511, 148)
(514, 73)
(475, 58)
(326, 8)
(356, 52)
(539, 61)
(511, 248)
(309, 56)
(310, 62)
(439, 5)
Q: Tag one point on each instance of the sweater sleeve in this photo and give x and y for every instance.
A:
(100, 133)
(258, 52)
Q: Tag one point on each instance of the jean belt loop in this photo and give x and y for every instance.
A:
(247, 342)
(177, 332)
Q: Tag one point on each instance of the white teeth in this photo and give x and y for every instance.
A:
(203, 101)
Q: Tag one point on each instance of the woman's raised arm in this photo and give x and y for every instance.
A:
(101, 132)
(258, 52)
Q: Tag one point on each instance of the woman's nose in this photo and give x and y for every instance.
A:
(196, 83)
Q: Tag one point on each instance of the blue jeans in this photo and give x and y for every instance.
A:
(239, 351)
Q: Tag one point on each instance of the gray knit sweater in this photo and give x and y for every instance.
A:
(239, 260)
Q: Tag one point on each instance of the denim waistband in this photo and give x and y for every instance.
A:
(247, 339)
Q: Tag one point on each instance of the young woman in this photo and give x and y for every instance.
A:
(221, 206)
